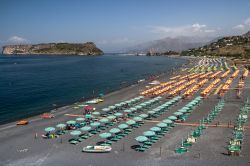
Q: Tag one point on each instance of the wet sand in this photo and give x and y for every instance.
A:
(20, 147)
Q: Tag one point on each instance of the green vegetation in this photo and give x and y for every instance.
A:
(232, 46)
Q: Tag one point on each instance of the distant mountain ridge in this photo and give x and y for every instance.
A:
(88, 48)
(171, 44)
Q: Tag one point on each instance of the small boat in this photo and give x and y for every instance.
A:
(22, 122)
(97, 149)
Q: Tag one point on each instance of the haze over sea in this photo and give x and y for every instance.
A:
(31, 85)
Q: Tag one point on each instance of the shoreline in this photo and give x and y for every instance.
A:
(112, 91)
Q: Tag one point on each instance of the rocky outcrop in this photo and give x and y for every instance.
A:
(88, 48)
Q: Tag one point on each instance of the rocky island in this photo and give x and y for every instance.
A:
(88, 48)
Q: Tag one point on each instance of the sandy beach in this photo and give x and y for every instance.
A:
(19, 146)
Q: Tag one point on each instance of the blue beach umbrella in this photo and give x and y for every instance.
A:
(49, 129)
(114, 130)
(75, 132)
(149, 133)
(155, 129)
(86, 128)
(95, 124)
(130, 122)
(80, 119)
(123, 126)
(71, 122)
(162, 125)
(111, 117)
(61, 125)
(104, 120)
(137, 118)
(105, 135)
(141, 138)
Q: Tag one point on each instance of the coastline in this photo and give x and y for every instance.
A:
(62, 109)
(25, 149)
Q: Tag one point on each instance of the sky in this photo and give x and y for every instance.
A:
(118, 24)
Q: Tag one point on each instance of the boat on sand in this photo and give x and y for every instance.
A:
(97, 149)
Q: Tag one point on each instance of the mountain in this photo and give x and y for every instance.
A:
(88, 48)
(171, 44)
(231, 46)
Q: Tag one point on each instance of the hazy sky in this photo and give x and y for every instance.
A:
(117, 24)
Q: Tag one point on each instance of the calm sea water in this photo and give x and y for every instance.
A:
(30, 85)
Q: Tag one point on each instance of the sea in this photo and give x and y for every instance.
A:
(31, 85)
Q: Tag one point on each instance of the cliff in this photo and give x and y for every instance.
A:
(88, 48)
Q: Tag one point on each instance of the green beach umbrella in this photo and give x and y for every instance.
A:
(95, 124)
(162, 124)
(123, 126)
(71, 122)
(49, 129)
(105, 135)
(133, 109)
(127, 111)
(114, 130)
(88, 116)
(172, 118)
(105, 109)
(96, 113)
(75, 133)
(183, 110)
(143, 115)
(178, 113)
(61, 125)
(111, 117)
(143, 105)
(86, 128)
(151, 112)
(137, 118)
(128, 102)
(149, 133)
(167, 121)
(123, 103)
(112, 107)
(104, 120)
(138, 107)
(118, 114)
(130, 122)
(141, 138)
(80, 119)
(155, 129)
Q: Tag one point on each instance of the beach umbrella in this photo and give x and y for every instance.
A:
(75, 132)
(104, 120)
(105, 109)
(141, 138)
(155, 129)
(61, 125)
(128, 101)
(96, 113)
(123, 126)
(118, 114)
(172, 118)
(143, 105)
(112, 107)
(114, 130)
(138, 107)
(167, 121)
(123, 103)
(161, 124)
(71, 122)
(86, 128)
(143, 115)
(111, 117)
(130, 122)
(149, 133)
(183, 110)
(151, 112)
(80, 119)
(105, 135)
(95, 124)
(133, 109)
(88, 116)
(137, 118)
(88, 108)
(127, 111)
(178, 113)
(49, 129)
